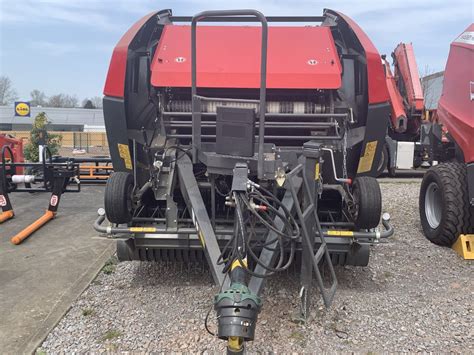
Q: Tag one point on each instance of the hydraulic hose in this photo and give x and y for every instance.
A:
(388, 232)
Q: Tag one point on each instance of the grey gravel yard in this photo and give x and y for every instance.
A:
(413, 296)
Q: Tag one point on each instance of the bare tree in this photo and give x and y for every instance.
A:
(71, 101)
(97, 101)
(63, 100)
(426, 84)
(92, 102)
(38, 98)
(56, 100)
(7, 92)
(87, 103)
(427, 76)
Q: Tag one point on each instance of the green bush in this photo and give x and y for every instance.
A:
(53, 141)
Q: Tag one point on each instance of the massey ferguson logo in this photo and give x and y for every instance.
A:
(54, 200)
(3, 201)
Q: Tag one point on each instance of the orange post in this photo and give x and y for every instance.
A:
(6, 215)
(25, 233)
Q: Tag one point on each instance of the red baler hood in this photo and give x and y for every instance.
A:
(456, 105)
(229, 57)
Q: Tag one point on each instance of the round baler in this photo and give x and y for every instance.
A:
(447, 190)
(252, 147)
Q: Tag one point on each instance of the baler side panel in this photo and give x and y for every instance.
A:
(375, 117)
(456, 105)
(126, 104)
(116, 129)
(375, 74)
(374, 139)
(115, 81)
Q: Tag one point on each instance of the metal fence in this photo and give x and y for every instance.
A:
(92, 143)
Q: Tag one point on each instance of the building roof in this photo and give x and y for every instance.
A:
(56, 116)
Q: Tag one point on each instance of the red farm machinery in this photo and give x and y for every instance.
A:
(406, 141)
(441, 142)
(248, 147)
(447, 191)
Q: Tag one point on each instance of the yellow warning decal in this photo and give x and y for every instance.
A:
(340, 233)
(237, 263)
(142, 229)
(316, 172)
(201, 237)
(365, 162)
(124, 153)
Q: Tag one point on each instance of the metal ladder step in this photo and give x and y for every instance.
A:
(320, 253)
(309, 216)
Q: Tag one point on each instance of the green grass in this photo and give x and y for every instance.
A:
(110, 265)
(111, 334)
(298, 336)
(40, 351)
(88, 312)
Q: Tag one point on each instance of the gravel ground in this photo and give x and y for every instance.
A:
(413, 296)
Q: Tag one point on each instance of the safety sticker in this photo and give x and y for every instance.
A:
(142, 229)
(340, 233)
(366, 161)
(200, 235)
(201, 238)
(316, 172)
(124, 153)
(54, 200)
(3, 201)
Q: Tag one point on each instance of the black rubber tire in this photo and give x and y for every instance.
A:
(383, 164)
(368, 200)
(118, 197)
(450, 178)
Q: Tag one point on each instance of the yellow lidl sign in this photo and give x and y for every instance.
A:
(22, 109)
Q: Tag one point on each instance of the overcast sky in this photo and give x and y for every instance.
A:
(65, 45)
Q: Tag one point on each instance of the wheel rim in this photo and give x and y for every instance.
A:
(433, 205)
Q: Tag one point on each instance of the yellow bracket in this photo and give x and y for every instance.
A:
(464, 246)
(234, 344)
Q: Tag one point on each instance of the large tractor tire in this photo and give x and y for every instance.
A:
(444, 207)
(368, 202)
(384, 161)
(118, 197)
